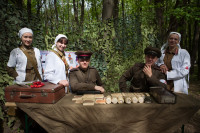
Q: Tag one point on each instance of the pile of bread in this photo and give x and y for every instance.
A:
(113, 98)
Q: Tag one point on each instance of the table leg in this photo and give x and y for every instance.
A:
(27, 124)
(182, 128)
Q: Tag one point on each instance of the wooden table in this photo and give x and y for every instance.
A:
(67, 117)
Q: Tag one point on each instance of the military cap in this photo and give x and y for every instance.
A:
(83, 54)
(152, 51)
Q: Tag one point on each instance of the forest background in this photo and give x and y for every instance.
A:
(116, 31)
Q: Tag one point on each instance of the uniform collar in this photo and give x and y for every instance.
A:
(174, 51)
(27, 47)
(83, 70)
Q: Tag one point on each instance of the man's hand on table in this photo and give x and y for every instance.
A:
(99, 88)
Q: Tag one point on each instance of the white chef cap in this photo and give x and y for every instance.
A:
(24, 30)
(57, 38)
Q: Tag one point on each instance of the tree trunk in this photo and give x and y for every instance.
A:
(3, 24)
(196, 40)
(82, 12)
(63, 13)
(160, 18)
(94, 9)
(189, 35)
(52, 17)
(68, 18)
(75, 12)
(39, 5)
(19, 4)
(123, 22)
(183, 26)
(123, 14)
(56, 12)
(29, 10)
(116, 13)
(195, 46)
(173, 21)
(108, 6)
(116, 9)
(46, 18)
(198, 61)
(189, 38)
(93, 3)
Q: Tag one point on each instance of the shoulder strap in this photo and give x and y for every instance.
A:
(32, 62)
(65, 62)
(74, 69)
(56, 54)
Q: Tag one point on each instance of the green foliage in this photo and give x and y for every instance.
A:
(190, 11)
(12, 19)
(4, 81)
(113, 47)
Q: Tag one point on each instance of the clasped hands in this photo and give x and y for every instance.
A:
(64, 82)
(163, 68)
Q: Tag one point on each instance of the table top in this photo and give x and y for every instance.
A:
(66, 116)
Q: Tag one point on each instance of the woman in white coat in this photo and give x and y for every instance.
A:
(25, 61)
(56, 70)
(175, 63)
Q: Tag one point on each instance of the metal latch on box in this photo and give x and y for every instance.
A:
(44, 94)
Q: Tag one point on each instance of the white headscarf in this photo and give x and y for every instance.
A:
(166, 44)
(57, 38)
(24, 30)
(177, 34)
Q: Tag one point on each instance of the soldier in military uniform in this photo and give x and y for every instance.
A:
(144, 75)
(85, 77)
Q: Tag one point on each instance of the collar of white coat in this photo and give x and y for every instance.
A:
(164, 46)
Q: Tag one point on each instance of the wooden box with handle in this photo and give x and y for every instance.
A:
(49, 93)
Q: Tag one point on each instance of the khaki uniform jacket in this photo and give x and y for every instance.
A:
(84, 80)
(139, 81)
